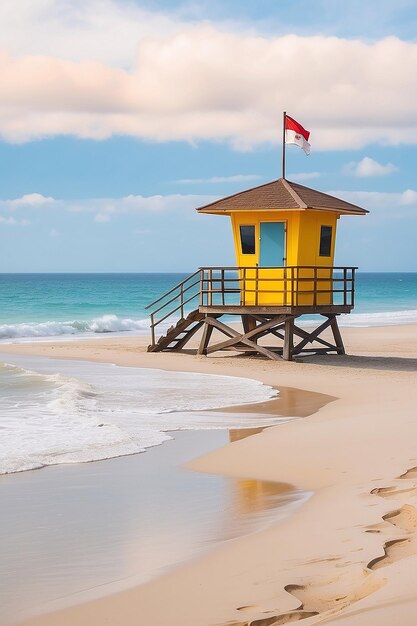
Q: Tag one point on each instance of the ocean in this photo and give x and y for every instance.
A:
(57, 305)
(55, 411)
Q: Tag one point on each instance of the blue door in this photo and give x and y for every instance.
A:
(272, 250)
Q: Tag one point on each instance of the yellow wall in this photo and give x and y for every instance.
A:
(308, 254)
(309, 238)
(302, 248)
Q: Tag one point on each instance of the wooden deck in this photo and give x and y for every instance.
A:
(276, 310)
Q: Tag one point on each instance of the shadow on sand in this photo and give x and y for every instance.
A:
(393, 363)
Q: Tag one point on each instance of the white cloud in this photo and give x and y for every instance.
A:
(101, 218)
(149, 75)
(409, 196)
(237, 178)
(29, 200)
(7, 220)
(304, 176)
(11, 221)
(387, 204)
(104, 30)
(368, 167)
(54, 233)
(104, 208)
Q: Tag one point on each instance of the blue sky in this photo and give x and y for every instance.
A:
(120, 117)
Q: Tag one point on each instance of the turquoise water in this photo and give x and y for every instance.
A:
(47, 305)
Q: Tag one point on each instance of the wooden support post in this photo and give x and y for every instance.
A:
(288, 339)
(153, 330)
(205, 338)
(337, 335)
(248, 323)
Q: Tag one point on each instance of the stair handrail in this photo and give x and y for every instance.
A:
(178, 290)
(182, 291)
(173, 289)
(180, 306)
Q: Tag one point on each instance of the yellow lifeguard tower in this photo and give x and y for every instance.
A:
(284, 237)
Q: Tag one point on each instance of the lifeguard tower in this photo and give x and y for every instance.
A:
(284, 238)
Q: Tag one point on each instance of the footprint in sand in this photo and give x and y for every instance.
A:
(336, 593)
(391, 554)
(410, 473)
(323, 598)
(274, 620)
(394, 492)
(405, 519)
(327, 598)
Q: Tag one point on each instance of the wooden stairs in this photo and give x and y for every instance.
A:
(178, 335)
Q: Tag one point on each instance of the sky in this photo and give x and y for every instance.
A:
(118, 118)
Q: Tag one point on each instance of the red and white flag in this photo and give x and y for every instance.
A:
(296, 134)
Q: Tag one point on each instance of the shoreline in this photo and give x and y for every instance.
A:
(143, 335)
(351, 452)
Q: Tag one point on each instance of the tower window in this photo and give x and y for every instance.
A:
(325, 240)
(247, 239)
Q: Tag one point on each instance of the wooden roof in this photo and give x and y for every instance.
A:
(281, 195)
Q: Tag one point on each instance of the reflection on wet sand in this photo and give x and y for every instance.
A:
(253, 504)
(255, 496)
(290, 402)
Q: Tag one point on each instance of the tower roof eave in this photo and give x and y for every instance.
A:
(281, 195)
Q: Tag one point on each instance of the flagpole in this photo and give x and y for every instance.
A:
(283, 143)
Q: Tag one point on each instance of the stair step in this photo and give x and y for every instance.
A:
(177, 334)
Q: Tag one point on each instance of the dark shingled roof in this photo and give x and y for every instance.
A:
(281, 194)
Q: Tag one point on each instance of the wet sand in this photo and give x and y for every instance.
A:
(84, 530)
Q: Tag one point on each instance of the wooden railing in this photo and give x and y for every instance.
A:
(175, 301)
(298, 286)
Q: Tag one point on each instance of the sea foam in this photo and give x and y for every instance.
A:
(100, 325)
(68, 411)
(380, 318)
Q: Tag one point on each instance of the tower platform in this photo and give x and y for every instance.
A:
(267, 302)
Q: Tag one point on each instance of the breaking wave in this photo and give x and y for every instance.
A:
(381, 318)
(99, 325)
(75, 411)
